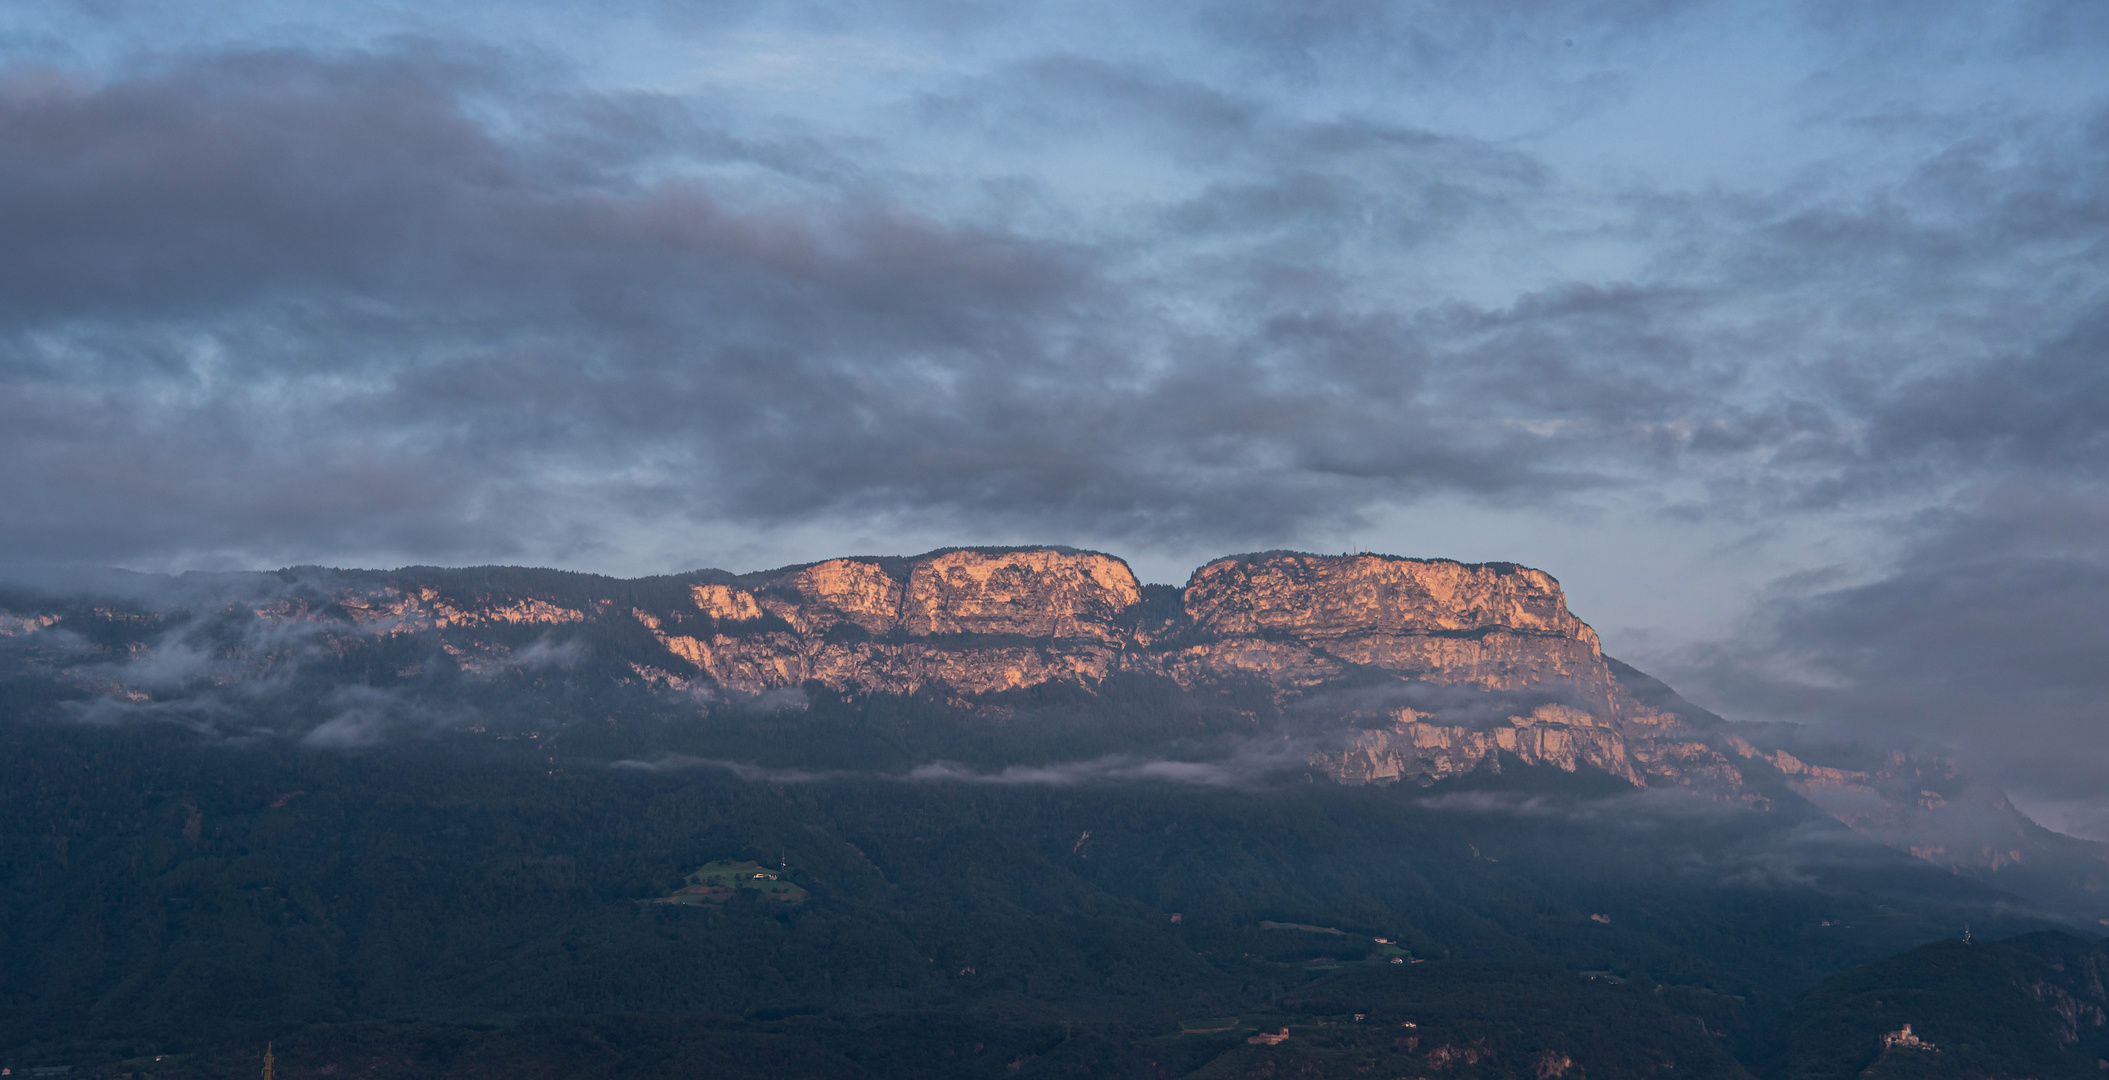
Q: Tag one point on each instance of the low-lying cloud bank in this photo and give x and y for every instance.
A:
(250, 656)
(1250, 765)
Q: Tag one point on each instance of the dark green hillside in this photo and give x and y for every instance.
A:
(721, 881)
(2029, 1006)
(162, 894)
(1460, 1019)
(1482, 1020)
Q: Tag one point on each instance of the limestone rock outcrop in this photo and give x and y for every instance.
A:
(856, 592)
(1328, 597)
(972, 621)
(1419, 746)
(1039, 594)
(1386, 669)
(1299, 620)
(1531, 681)
(1520, 677)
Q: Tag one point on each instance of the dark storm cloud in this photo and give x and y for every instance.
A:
(1304, 187)
(2046, 409)
(417, 301)
(1862, 343)
(1986, 637)
(380, 183)
(444, 303)
(284, 293)
(1993, 197)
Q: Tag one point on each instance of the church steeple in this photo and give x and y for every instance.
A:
(269, 1061)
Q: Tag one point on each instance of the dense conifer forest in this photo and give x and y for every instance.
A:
(467, 904)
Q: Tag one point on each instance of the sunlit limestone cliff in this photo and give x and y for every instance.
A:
(1372, 669)
(974, 622)
(1390, 669)
(1492, 637)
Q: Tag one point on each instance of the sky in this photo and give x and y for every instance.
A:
(1776, 331)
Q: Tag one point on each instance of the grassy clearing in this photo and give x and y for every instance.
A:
(717, 882)
(1305, 927)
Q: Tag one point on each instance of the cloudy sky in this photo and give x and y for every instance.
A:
(1777, 331)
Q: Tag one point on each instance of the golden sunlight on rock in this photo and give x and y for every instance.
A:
(1028, 593)
(846, 590)
(1317, 596)
(725, 603)
(519, 612)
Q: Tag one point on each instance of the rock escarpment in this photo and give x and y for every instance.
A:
(1526, 679)
(1384, 669)
(980, 621)
(971, 621)
(1439, 667)
(1394, 669)
(1299, 620)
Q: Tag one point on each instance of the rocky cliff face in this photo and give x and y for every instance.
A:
(1392, 669)
(1453, 667)
(1335, 598)
(1389, 670)
(973, 622)
(1295, 620)
(1419, 746)
(1526, 679)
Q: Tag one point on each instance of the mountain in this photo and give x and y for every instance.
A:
(1439, 668)
(1378, 669)
(445, 822)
